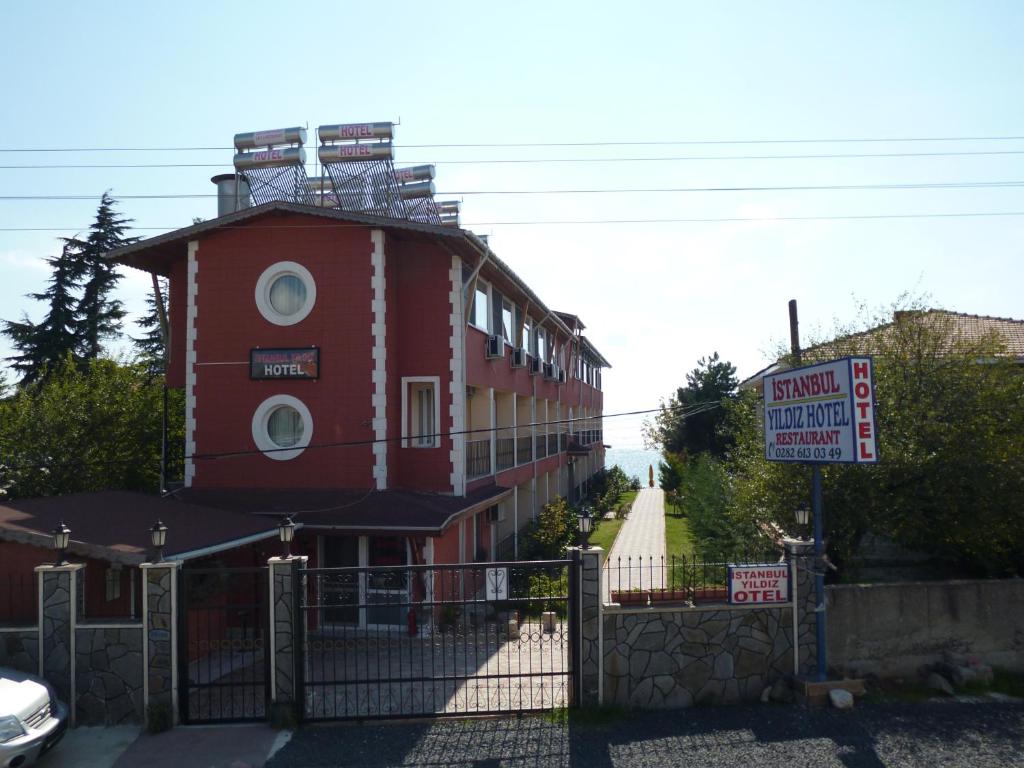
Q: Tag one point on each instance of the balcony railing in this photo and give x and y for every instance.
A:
(506, 453)
(563, 442)
(524, 449)
(552, 445)
(542, 446)
(478, 458)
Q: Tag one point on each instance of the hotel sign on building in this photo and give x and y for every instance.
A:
(284, 363)
(822, 413)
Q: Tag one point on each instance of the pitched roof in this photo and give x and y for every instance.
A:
(114, 525)
(959, 326)
(351, 510)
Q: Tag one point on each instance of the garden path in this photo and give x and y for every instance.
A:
(636, 558)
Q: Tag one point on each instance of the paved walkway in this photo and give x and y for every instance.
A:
(635, 561)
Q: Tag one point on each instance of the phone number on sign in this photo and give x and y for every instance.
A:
(805, 453)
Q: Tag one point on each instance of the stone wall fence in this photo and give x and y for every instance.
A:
(666, 656)
(110, 672)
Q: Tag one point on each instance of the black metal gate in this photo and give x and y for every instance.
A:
(223, 652)
(433, 640)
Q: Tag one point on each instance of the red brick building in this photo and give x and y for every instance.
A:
(393, 385)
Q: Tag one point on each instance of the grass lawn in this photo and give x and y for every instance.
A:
(604, 534)
(678, 537)
(678, 541)
(606, 530)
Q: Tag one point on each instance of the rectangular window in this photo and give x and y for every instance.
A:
(506, 321)
(480, 314)
(527, 330)
(541, 351)
(422, 413)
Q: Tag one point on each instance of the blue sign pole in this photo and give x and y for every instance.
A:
(819, 570)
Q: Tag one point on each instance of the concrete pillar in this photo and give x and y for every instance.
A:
(591, 661)
(801, 557)
(59, 593)
(160, 642)
(285, 647)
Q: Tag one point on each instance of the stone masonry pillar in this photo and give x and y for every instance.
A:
(801, 557)
(160, 642)
(59, 587)
(590, 663)
(284, 645)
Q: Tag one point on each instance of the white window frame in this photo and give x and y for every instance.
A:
(506, 302)
(484, 287)
(266, 282)
(408, 440)
(261, 432)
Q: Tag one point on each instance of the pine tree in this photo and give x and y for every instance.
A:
(99, 315)
(150, 346)
(45, 344)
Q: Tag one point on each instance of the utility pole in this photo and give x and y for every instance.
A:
(816, 507)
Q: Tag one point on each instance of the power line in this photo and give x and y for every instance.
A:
(627, 143)
(541, 160)
(696, 408)
(608, 190)
(584, 222)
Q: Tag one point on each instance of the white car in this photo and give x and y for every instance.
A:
(31, 718)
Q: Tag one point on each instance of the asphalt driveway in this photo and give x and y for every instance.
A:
(937, 735)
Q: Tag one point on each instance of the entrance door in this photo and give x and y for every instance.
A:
(341, 593)
(387, 588)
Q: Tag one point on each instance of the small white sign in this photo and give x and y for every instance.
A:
(497, 584)
(759, 584)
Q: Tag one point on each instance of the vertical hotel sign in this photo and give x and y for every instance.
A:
(822, 413)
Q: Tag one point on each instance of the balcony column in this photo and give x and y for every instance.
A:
(494, 431)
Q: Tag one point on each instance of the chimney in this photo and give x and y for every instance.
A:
(232, 193)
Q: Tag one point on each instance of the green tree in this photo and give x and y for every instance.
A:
(83, 427)
(45, 344)
(553, 531)
(150, 346)
(98, 313)
(81, 311)
(950, 481)
(691, 422)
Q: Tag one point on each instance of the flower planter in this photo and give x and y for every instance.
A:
(711, 595)
(629, 597)
(669, 595)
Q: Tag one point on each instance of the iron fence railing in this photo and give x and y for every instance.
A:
(542, 446)
(478, 458)
(524, 449)
(505, 453)
(19, 599)
(677, 578)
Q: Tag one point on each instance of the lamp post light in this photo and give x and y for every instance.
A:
(586, 524)
(286, 532)
(61, 539)
(803, 516)
(158, 537)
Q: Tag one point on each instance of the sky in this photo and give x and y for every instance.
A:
(778, 79)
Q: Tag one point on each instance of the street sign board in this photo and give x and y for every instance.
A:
(759, 584)
(822, 414)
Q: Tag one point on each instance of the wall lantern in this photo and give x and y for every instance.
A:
(158, 537)
(286, 532)
(586, 524)
(61, 539)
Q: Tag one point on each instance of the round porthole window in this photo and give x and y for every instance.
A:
(285, 293)
(282, 427)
